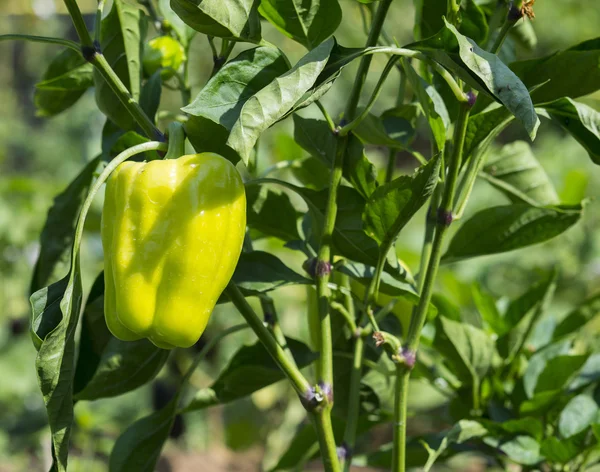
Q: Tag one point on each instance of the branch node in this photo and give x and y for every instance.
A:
(89, 52)
(444, 217)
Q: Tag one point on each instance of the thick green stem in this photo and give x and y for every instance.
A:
(132, 106)
(354, 401)
(42, 39)
(176, 138)
(400, 415)
(503, 33)
(79, 23)
(391, 165)
(322, 422)
(444, 218)
(365, 62)
(323, 266)
(88, 49)
(289, 368)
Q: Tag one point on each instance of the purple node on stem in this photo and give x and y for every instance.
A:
(409, 356)
(444, 217)
(471, 98)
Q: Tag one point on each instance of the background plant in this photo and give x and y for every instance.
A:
(497, 375)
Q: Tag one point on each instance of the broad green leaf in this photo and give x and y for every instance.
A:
(150, 95)
(482, 70)
(307, 22)
(487, 308)
(250, 369)
(120, 40)
(57, 234)
(560, 450)
(392, 205)
(520, 449)
(558, 371)
(229, 19)
(123, 366)
(184, 32)
(505, 228)
(516, 172)
(483, 128)
(538, 362)
(259, 272)
(461, 432)
(541, 403)
(577, 318)
(139, 447)
(579, 120)
(208, 136)
(532, 426)
(272, 213)
(432, 104)
(574, 72)
(371, 130)
(222, 98)
(270, 104)
(400, 123)
(467, 349)
(429, 19)
(315, 137)
(393, 286)
(589, 373)
(67, 78)
(523, 314)
(577, 416)
(94, 336)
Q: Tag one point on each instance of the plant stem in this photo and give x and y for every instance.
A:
(400, 415)
(354, 400)
(118, 87)
(132, 106)
(411, 345)
(322, 422)
(324, 266)
(326, 115)
(79, 23)
(506, 27)
(42, 39)
(98, 21)
(365, 62)
(280, 357)
(356, 121)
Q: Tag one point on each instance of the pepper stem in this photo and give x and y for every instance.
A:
(176, 136)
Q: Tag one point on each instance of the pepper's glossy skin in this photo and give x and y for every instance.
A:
(172, 232)
(163, 52)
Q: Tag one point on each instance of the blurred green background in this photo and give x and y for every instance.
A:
(39, 157)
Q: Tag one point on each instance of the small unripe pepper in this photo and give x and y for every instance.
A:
(163, 52)
(172, 232)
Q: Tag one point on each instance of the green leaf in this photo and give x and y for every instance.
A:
(309, 23)
(483, 128)
(57, 234)
(538, 362)
(467, 349)
(577, 318)
(222, 98)
(429, 19)
(532, 426)
(574, 72)
(482, 70)
(270, 104)
(150, 95)
(487, 308)
(400, 123)
(315, 137)
(123, 366)
(94, 336)
(461, 432)
(272, 213)
(208, 136)
(250, 370)
(558, 371)
(520, 449)
(259, 272)
(389, 285)
(577, 416)
(522, 315)
(67, 78)
(516, 172)
(228, 19)
(184, 32)
(579, 120)
(392, 205)
(139, 447)
(589, 373)
(561, 450)
(432, 104)
(505, 228)
(121, 38)
(541, 403)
